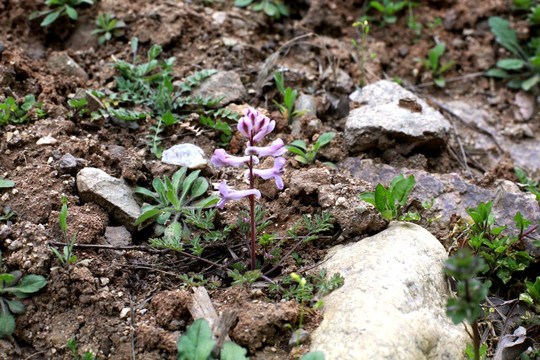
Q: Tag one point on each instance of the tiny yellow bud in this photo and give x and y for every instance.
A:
(295, 276)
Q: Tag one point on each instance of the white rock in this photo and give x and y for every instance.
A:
(188, 155)
(47, 140)
(392, 304)
(113, 194)
(381, 123)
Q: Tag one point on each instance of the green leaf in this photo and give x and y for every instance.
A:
(505, 35)
(178, 177)
(530, 82)
(147, 215)
(242, 3)
(5, 183)
(146, 192)
(511, 64)
(295, 150)
(377, 5)
(498, 73)
(169, 119)
(16, 307)
(71, 12)
(402, 189)
(325, 138)
(50, 18)
(439, 81)
(31, 284)
(7, 324)
(301, 144)
(199, 187)
(381, 198)
(368, 197)
(435, 54)
(209, 201)
(197, 344)
(313, 355)
(186, 185)
(232, 351)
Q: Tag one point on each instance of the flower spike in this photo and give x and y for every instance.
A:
(221, 158)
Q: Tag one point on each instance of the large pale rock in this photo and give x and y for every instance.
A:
(112, 194)
(382, 123)
(392, 305)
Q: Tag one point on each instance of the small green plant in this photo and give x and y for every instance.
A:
(522, 71)
(72, 345)
(272, 8)
(432, 64)
(14, 287)
(289, 97)
(59, 8)
(364, 25)
(7, 214)
(412, 21)
(12, 113)
(150, 84)
(315, 283)
(307, 156)
(465, 267)
(388, 9)
(302, 282)
(488, 241)
(66, 257)
(78, 106)
(391, 202)
(529, 184)
(532, 294)
(197, 344)
(246, 279)
(175, 198)
(108, 27)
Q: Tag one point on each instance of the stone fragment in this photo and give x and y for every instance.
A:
(112, 194)
(307, 103)
(66, 164)
(390, 309)
(117, 236)
(188, 155)
(61, 62)
(47, 140)
(298, 336)
(223, 83)
(394, 117)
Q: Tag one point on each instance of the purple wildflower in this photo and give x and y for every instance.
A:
(275, 172)
(228, 194)
(276, 148)
(254, 125)
(221, 158)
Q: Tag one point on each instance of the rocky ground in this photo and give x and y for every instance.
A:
(461, 142)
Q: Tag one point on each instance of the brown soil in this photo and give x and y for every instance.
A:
(127, 302)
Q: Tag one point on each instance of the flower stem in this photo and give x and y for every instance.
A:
(252, 210)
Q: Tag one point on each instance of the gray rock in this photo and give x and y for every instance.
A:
(66, 164)
(477, 115)
(112, 194)
(117, 236)
(61, 62)
(453, 195)
(224, 83)
(338, 80)
(188, 155)
(301, 334)
(390, 309)
(306, 103)
(382, 124)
